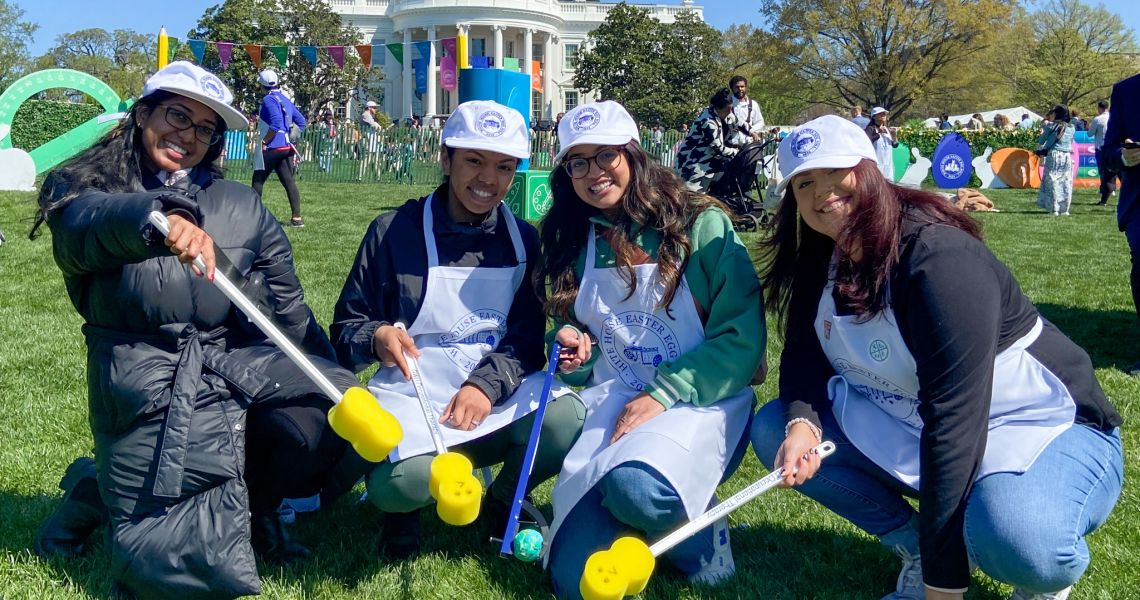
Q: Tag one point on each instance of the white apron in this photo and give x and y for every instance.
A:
(875, 395)
(462, 318)
(689, 445)
(259, 148)
(885, 156)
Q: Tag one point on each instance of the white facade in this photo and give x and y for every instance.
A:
(547, 31)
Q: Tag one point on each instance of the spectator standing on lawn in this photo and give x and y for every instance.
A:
(1098, 129)
(279, 115)
(1056, 141)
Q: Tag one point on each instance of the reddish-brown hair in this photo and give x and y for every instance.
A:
(795, 251)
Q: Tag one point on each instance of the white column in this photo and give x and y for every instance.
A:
(528, 50)
(430, 107)
(406, 113)
(548, 76)
(498, 46)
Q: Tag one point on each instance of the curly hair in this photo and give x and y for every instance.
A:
(656, 199)
(112, 164)
(795, 250)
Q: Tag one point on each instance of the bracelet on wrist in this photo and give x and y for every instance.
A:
(812, 426)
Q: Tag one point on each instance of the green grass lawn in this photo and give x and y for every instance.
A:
(1075, 269)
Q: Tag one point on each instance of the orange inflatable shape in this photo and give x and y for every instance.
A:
(1017, 167)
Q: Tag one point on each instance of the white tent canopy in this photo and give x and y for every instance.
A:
(1013, 114)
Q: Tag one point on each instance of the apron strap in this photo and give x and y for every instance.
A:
(513, 228)
(429, 233)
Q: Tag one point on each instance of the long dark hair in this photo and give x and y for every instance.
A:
(113, 164)
(795, 250)
(656, 199)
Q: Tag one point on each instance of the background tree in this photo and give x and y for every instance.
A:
(15, 36)
(283, 22)
(1079, 51)
(884, 52)
(122, 59)
(660, 73)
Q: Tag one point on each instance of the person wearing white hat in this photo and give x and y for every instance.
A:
(883, 139)
(370, 136)
(201, 426)
(455, 268)
(909, 344)
(276, 119)
(650, 290)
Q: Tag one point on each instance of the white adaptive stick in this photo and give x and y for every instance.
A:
(421, 394)
(263, 323)
(734, 502)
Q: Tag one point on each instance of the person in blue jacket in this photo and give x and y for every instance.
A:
(275, 118)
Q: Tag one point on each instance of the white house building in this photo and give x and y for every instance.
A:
(548, 31)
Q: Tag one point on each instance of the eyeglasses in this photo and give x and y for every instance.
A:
(579, 166)
(182, 121)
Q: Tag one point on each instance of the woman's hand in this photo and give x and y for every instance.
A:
(467, 409)
(575, 349)
(188, 242)
(637, 411)
(795, 455)
(390, 343)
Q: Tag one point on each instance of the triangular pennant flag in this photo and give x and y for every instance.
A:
(225, 53)
(424, 49)
(198, 48)
(310, 53)
(282, 54)
(336, 53)
(364, 51)
(172, 49)
(254, 51)
(397, 50)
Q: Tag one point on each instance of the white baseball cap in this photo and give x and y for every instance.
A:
(188, 79)
(268, 78)
(606, 123)
(370, 104)
(827, 142)
(486, 125)
(877, 110)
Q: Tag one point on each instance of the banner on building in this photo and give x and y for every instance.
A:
(511, 64)
(536, 75)
(448, 76)
(420, 67)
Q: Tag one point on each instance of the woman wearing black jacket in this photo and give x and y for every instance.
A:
(198, 421)
(913, 348)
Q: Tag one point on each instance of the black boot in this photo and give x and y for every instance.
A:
(82, 511)
(400, 538)
(271, 540)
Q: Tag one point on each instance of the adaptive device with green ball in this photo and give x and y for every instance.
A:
(527, 545)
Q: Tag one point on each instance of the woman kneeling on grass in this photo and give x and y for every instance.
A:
(199, 422)
(456, 268)
(913, 348)
(655, 276)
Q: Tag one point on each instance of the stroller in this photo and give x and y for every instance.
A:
(741, 187)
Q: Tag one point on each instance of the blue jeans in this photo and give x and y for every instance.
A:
(1027, 530)
(633, 498)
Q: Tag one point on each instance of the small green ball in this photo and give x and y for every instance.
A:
(527, 545)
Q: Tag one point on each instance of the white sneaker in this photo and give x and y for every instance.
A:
(1061, 595)
(721, 566)
(909, 585)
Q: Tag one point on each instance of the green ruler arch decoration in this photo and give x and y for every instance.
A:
(79, 138)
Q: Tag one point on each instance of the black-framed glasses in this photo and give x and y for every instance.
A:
(579, 166)
(181, 121)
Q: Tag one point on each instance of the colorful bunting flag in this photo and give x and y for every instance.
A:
(397, 50)
(172, 49)
(254, 51)
(336, 53)
(198, 48)
(282, 54)
(310, 54)
(364, 51)
(225, 53)
(480, 62)
(424, 49)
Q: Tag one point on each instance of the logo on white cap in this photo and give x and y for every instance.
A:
(805, 142)
(491, 123)
(212, 86)
(951, 166)
(587, 119)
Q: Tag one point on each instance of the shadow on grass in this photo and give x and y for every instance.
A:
(1109, 336)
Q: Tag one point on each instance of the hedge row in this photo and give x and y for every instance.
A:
(927, 139)
(38, 122)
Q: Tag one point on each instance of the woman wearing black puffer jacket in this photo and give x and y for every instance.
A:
(201, 426)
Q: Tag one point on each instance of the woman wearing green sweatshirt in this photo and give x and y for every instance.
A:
(657, 307)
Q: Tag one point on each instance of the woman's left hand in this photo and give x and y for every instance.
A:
(467, 409)
(637, 411)
(188, 241)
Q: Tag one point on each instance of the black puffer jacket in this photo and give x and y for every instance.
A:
(171, 367)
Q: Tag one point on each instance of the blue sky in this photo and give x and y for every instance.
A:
(57, 17)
